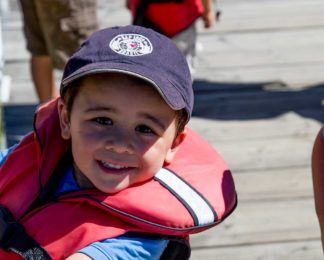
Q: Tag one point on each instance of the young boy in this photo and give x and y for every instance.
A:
(117, 129)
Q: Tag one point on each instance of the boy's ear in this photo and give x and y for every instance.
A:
(175, 146)
(64, 120)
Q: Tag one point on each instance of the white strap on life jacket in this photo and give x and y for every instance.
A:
(199, 208)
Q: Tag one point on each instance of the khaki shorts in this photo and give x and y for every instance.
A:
(57, 27)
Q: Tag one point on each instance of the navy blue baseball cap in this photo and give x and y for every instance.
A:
(136, 51)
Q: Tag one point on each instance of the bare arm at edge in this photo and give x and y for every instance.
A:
(318, 179)
(208, 15)
(78, 256)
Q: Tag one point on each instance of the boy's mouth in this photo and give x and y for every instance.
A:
(113, 166)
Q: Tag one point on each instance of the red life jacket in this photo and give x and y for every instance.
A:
(199, 196)
(169, 17)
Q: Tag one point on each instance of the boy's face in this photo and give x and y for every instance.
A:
(122, 132)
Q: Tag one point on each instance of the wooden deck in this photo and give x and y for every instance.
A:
(259, 100)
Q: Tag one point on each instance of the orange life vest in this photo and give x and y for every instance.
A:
(168, 17)
(195, 192)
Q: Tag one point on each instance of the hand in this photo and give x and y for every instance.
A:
(78, 256)
(209, 18)
(128, 4)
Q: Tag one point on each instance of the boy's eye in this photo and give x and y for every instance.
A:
(144, 129)
(103, 120)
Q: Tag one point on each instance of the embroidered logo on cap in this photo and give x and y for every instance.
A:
(131, 44)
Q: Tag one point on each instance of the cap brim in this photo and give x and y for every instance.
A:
(160, 82)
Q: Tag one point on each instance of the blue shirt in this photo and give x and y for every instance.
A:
(128, 246)
(4, 154)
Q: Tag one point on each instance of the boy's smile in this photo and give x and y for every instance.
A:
(122, 132)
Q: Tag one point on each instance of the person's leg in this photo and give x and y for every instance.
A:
(64, 25)
(40, 62)
(43, 77)
(186, 42)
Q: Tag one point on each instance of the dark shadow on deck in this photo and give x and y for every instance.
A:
(227, 101)
(213, 100)
(18, 121)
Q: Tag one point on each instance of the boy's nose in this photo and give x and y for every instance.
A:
(120, 143)
(118, 148)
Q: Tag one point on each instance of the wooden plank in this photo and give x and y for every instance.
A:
(292, 57)
(23, 92)
(255, 222)
(252, 58)
(292, 250)
(112, 13)
(266, 154)
(268, 15)
(14, 45)
(18, 70)
(224, 131)
(274, 184)
(268, 149)
(296, 75)
(263, 48)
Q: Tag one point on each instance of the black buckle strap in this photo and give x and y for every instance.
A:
(13, 237)
(177, 249)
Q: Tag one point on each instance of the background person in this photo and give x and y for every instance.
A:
(54, 29)
(175, 19)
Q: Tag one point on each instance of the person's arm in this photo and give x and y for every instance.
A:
(208, 15)
(128, 4)
(78, 256)
(318, 179)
